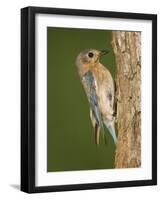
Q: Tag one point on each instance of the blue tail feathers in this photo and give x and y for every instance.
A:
(112, 131)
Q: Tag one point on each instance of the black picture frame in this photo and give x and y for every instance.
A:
(28, 98)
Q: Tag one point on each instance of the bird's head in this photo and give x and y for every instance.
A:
(90, 56)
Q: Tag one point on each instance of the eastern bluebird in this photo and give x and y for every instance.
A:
(99, 87)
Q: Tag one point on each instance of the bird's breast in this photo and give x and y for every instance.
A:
(103, 78)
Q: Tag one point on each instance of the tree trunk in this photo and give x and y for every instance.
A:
(127, 50)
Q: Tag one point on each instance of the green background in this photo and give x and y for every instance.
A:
(70, 144)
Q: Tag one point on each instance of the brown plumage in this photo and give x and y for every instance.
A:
(99, 87)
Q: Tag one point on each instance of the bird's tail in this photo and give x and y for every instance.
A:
(111, 129)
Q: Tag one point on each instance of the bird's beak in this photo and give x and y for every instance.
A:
(104, 52)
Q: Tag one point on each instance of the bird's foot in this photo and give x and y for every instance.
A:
(115, 117)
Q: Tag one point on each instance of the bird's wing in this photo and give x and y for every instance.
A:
(93, 99)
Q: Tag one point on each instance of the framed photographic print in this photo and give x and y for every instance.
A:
(88, 99)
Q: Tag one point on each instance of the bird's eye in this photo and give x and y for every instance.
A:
(90, 54)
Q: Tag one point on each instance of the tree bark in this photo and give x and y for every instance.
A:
(127, 50)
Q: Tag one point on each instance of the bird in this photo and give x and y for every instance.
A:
(99, 87)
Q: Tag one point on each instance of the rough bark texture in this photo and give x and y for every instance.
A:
(127, 50)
